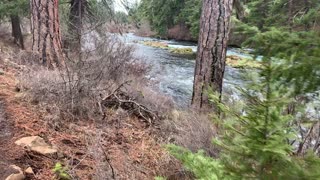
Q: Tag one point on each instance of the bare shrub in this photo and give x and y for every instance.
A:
(191, 130)
(76, 89)
(103, 66)
(29, 58)
(151, 98)
(308, 139)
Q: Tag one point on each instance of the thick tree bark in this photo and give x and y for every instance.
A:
(16, 30)
(211, 56)
(45, 27)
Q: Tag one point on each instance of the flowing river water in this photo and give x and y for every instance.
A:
(174, 74)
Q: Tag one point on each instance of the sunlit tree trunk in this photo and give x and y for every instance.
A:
(211, 56)
(16, 30)
(45, 27)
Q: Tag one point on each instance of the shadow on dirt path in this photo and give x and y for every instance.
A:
(6, 134)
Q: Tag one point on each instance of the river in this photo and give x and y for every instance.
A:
(174, 74)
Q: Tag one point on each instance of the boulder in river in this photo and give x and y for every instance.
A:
(36, 144)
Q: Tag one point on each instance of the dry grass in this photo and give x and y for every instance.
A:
(63, 95)
(190, 130)
(129, 143)
(74, 92)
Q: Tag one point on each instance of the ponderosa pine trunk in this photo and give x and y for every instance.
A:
(16, 30)
(45, 27)
(212, 46)
(77, 10)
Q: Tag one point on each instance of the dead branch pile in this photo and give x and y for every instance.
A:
(106, 75)
(120, 99)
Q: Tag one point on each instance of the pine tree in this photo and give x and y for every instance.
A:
(46, 35)
(255, 143)
(14, 9)
(212, 48)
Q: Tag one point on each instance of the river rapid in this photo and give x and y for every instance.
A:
(173, 74)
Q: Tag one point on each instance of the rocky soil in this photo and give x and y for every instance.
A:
(120, 147)
(5, 136)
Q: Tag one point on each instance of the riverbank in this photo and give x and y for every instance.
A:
(120, 147)
(172, 74)
(120, 143)
(237, 61)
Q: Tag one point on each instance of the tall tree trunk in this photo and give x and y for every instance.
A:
(45, 27)
(78, 8)
(211, 56)
(16, 30)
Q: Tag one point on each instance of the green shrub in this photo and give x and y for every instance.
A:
(159, 178)
(255, 142)
(61, 172)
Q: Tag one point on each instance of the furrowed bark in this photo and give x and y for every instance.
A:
(211, 56)
(45, 28)
(16, 30)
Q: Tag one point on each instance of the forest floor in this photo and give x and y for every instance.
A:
(121, 147)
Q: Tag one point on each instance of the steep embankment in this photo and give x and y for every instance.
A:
(119, 147)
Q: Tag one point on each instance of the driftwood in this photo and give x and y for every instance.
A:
(119, 99)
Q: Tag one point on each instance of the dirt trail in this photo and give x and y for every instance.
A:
(6, 134)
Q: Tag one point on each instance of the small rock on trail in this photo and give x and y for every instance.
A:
(36, 144)
(17, 175)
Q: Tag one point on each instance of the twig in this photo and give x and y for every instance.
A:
(153, 115)
(117, 89)
(108, 161)
(305, 139)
